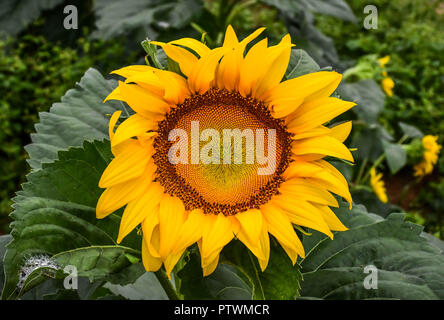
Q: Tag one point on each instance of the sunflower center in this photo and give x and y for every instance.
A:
(221, 152)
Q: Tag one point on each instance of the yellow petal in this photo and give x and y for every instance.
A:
(183, 57)
(112, 123)
(292, 254)
(149, 81)
(126, 166)
(330, 218)
(151, 233)
(279, 226)
(134, 126)
(264, 243)
(171, 218)
(176, 87)
(274, 67)
(228, 72)
(315, 132)
(298, 189)
(251, 223)
(170, 262)
(254, 247)
(210, 267)
(306, 87)
(332, 170)
(129, 71)
(250, 65)
(322, 145)
(302, 213)
(230, 39)
(312, 114)
(197, 46)
(281, 108)
(341, 131)
(301, 169)
(218, 235)
(142, 101)
(140, 209)
(192, 230)
(117, 196)
(331, 183)
(204, 71)
(149, 262)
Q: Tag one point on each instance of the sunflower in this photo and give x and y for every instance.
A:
(383, 61)
(210, 204)
(430, 156)
(378, 185)
(388, 84)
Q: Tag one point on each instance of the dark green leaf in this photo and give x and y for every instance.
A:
(143, 17)
(335, 8)
(16, 15)
(411, 131)
(364, 195)
(96, 262)
(409, 267)
(4, 240)
(369, 97)
(279, 281)
(300, 63)
(224, 283)
(395, 154)
(146, 287)
(80, 116)
(55, 211)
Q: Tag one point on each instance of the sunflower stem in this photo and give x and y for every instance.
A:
(166, 285)
(361, 171)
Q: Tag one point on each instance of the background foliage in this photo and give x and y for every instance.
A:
(41, 62)
(415, 45)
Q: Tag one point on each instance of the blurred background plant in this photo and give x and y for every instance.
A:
(394, 73)
(410, 33)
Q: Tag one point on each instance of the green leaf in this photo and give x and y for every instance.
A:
(369, 97)
(146, 287)
(224, 283)
(410, 131)
(81, 115)
(300, 63)
(369, 144)
(4, 240)
(409, 267)
(55, 211)
(335, 8)
(279, 281)
(395, 154)
(17, 15)
(364, 195)
(96, 262)
(143, 17)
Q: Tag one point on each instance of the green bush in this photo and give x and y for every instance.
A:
(411, 33)
(35, 73)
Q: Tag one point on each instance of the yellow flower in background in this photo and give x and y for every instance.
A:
(388, 84)
(211, 204)
(383, 61)
(430, 157)
(378, 185)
